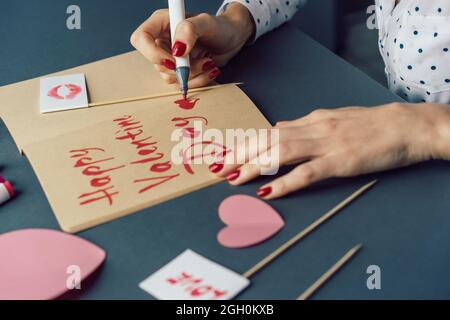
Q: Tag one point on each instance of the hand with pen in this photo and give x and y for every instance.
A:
(211, 41)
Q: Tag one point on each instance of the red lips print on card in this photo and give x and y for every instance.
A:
(73, 91)
(63, 93)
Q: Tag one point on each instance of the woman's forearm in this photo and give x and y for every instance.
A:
(242, 20)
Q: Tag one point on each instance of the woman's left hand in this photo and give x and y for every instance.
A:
(345, 142)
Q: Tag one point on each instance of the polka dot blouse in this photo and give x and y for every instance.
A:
(414, 40)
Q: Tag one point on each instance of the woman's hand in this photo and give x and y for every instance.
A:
(211, 41)
(348, 142)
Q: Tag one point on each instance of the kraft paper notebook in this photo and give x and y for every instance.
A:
(101, 163)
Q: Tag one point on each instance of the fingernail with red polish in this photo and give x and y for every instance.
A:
(214, 74)
(215, 167)
(234, 175)
(168, 64)
(264, 192)
(221, 156)
(178, 49)
(209, 65)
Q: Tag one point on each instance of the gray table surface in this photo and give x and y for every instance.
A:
(403, 222)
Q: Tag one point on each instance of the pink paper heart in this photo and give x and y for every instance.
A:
(249, 221)
(34, 263)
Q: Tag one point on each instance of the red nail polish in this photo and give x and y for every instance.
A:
(264, 192)
(209, 65)
(215, 167)
(214, 74)
(234, 175)
(221, 156)
(178, 49)
(168, 64)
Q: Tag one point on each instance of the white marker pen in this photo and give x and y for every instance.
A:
(177, 14)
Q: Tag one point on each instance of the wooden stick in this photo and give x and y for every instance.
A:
(331, 272)
(260, 265)
(159, 95)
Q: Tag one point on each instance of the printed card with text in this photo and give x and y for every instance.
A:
(63, 93)
(191, 276)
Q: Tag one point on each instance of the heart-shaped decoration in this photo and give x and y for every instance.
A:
(249, 221)
(36, 264)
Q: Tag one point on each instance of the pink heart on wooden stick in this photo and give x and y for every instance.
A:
(40, 264)
(249, 221)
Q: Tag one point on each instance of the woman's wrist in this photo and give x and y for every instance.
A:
(241, 20)
(441, 122)
(428, 131)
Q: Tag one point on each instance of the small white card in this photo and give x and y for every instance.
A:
(63, 93)
(191, 276)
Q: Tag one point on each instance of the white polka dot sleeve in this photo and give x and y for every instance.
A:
(268, 14)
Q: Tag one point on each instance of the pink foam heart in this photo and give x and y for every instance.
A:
(249, 221)
(34, 263)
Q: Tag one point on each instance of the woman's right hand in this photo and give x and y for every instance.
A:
(211, 41)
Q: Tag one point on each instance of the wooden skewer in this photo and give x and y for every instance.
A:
(260, 265)
(159, 95)
(327, 275)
